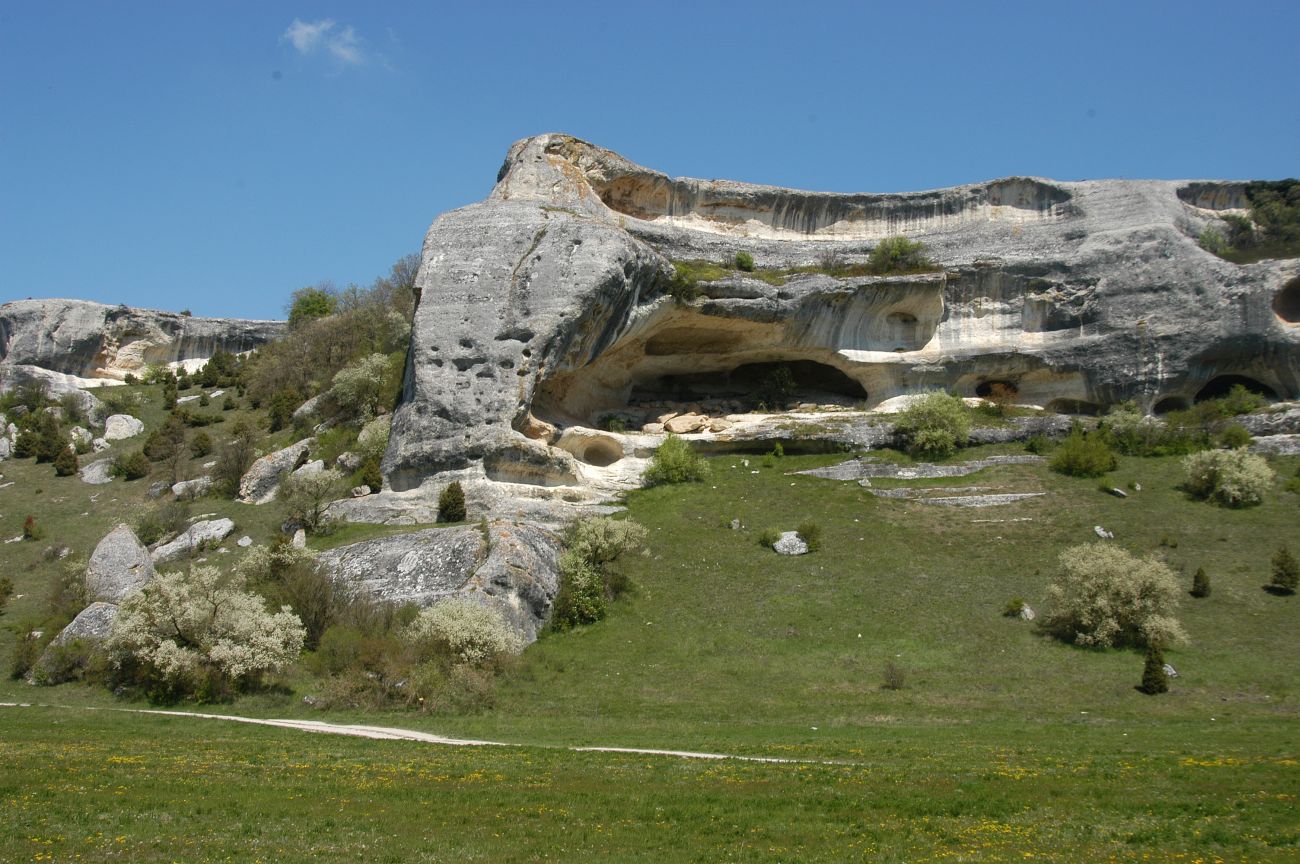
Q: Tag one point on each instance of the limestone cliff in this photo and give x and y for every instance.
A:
(544, 306)
(99, 342)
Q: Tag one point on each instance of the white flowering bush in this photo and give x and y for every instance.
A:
(373, 440)
(184, 628)
(461, 631)
(1103, 596)
(1233, 478)
(358, 389)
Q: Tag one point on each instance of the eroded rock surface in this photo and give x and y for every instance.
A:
(198, 536)
(100, 342)
(262, 479)
(547, 307)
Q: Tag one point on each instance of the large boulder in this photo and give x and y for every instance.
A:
(92, 624)
(260, 481)
(513, 569)
(119, 567)
(57, 385)
(119, 427)
(97, 473)
(198, 536)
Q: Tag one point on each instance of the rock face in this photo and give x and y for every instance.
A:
(95, 341)
(97, 472)
(92, 624)
(514, 570)
(260, 481)
(119, 567)
(546, 307)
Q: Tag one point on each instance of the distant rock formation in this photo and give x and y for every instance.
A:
(546, 308)
(105, 343)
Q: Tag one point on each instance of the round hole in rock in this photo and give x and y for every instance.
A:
(1219, 387)
(1287, 302)
(1171, 403)
(600, 452)
(995, 389)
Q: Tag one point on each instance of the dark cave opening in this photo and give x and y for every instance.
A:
(996, 389)
(1171, 403)
(1219, 387)
(774, 384)
(1287, 302)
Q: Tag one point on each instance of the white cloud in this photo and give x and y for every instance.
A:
(307, 37)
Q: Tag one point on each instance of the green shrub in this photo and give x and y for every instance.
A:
(675, 462)
(6, 591)
(369, 475)
(32, 531)
(233, 460)
(1014, 607)
(200, 445)
(230, 403)
(892, 676)
(131, 466)
(811, 534)
(165, 520)
(1240, 401)
(745, 261)
(306, 498)
(1232, 478)
(1234, 436)
(1286, 571)
(1154, 679)
(451, 503)
(1200, 583)
(65, 464)
(581, 598)
(1103, 596)
(1083, 455)
(934, 426)
(898, 255)
(769, 537)
(204, 400)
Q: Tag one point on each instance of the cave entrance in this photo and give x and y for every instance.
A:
(995, 390)
(1287, 302)
(1171, 403)
(1074, 406)
(1219, 387)
(773, 384)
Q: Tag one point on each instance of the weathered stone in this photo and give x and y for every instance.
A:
(1027, 613)
(190, 489)
(158, 489)
(260, 481)
(99, 445)
(1276, 445)
(516, 572)
(96, 341)
(684, 424)
(119, 567)
(92, 624)
(244, 542)
(349, 461)
(97, 472)
(1102, 533)
(121, 426)
(1118, 492)
(309, 469)
(299, 540)
(198, 536)
(653, 428)
(790, 544)
(81, 435)
(1170, 671)
(546, 302)
(360, 491)
(56, 384)
(307, 410)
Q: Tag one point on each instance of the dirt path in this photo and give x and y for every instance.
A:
(389, 733)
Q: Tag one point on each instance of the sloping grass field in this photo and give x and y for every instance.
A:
(1003, 743)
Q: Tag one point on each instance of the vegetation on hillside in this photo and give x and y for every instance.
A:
(1270, 230)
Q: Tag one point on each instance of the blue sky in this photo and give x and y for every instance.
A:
(217, 156)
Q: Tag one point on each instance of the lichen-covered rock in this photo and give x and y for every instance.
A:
(119, 567)
(260, 481)
(92, 624)
(190, 489)
(119, 427)
(790, 544)
(80, 435)
(198, 536)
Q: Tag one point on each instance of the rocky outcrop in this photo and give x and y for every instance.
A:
(96, 341)
(119, 567)
(547, 307)
(55, 384)
(512, 569)
(262, 479)
(92, 625)
(121, 426)
(198, 536)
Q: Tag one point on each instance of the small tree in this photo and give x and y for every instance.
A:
(131, 466)
(200, 632)
(1103, 596)
(200, 445)
(65, 464)
(1200, 584)
(307, 496)
(359, 388)
(451, 503)
(934, 425)
(1082, 455)
(308, 304)
(744, 261)
(460, 631)
(1154, 679)
(1232, 478)
(1286, 571)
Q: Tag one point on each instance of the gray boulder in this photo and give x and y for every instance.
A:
(99, 445)
(790, 544)
(516, 572)
(92, 624)
(190, 489)
(192, 539)
(97, 472)
(119, 567)
(122, 426)
(260, 481)
(56, 384)
(81, 435)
